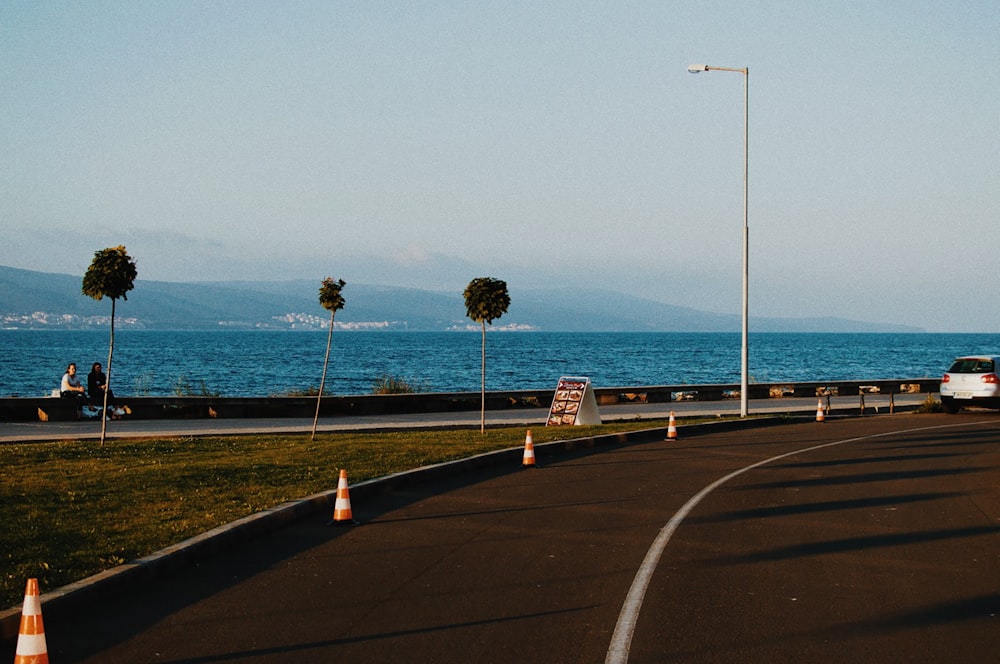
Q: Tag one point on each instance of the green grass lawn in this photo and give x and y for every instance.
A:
(72, 509)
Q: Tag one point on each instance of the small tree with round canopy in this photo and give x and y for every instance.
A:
(111, 274)
(486, 299)
(331, 300)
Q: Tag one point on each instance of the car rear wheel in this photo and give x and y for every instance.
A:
(949, 405)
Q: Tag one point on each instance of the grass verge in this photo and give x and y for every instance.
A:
(72, 509)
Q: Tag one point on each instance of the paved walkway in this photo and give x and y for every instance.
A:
(42, 431)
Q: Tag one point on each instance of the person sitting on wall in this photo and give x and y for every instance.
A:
(97, 383)
(70, 388)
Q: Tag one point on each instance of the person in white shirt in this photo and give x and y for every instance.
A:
(70, 388)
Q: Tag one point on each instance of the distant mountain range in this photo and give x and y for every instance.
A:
(42, 300)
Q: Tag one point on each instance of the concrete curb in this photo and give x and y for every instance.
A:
(86, 592)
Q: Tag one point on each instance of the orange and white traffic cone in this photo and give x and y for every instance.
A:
(342, 507)
(529, 451)
(31, 647)
(672, 427)
(820, 412)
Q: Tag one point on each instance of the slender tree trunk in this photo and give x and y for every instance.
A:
(322, 381)
(482, 408)
(107, 380)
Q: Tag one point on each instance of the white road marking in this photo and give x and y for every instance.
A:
(621, 640)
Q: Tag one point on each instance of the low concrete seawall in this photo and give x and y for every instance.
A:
(30, 409)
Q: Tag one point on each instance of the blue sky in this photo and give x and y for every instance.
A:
(556, 143)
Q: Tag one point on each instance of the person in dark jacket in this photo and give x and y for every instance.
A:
(97, 382)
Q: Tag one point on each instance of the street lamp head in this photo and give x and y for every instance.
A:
(697, 69)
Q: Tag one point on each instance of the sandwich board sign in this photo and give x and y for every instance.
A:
(573, 403)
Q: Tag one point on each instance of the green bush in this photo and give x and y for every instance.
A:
(388, 384)
(144, 383)
(183, 388)
(930, 405)
(310, 391)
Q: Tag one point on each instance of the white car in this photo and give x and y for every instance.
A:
(971, 381)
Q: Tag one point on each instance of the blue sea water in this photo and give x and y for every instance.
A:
(265, 363)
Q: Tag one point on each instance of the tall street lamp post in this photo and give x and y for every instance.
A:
(744, 352)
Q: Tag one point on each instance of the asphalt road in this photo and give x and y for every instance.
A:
(866, 539)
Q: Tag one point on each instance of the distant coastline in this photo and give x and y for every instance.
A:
(42, 300)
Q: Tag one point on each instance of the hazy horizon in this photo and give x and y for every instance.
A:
(427, 144)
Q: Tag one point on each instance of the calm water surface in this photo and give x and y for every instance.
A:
(259, 363)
